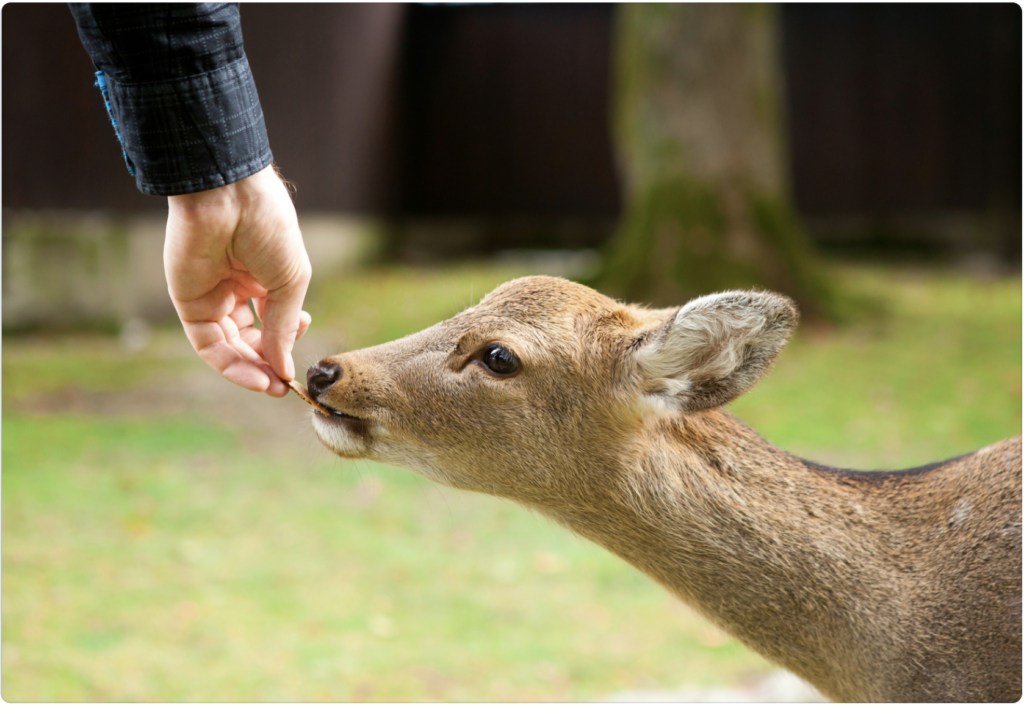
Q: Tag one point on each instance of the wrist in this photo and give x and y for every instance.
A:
(236, 195)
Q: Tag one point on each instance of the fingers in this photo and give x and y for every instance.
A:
(242, 315)
(237, 362)
(251, 337)
(304, 320)
(254, 337)
(284, 322)
(244, 319)
(221, 346)
(233, 346)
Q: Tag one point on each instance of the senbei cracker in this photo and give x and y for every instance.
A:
(300, 389)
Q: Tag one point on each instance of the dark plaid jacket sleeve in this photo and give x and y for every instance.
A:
(179, 91)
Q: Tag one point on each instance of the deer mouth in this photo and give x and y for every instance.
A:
(318, 406)
(329, 413)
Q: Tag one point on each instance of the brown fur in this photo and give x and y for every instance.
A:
(901, 586)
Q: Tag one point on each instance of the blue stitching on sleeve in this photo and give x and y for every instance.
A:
(101, 82)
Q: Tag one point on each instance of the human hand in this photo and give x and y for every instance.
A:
(226, 246)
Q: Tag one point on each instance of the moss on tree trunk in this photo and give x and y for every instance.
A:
(698, 130)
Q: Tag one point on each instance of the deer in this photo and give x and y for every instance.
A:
(895, 586)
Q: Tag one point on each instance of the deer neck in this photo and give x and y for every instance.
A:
(775, 553)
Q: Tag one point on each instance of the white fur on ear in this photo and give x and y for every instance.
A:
(716, 347)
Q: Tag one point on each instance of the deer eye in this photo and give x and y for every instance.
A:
(500, 360)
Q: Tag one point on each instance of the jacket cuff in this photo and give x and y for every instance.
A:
(193, 133)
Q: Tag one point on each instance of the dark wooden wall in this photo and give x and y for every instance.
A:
(904, 107)
(503, 109)
(327, 75)
(506, 111)
(59, 150)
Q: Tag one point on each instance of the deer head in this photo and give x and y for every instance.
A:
(533, 393)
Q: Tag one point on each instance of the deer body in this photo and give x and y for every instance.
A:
(901, 586)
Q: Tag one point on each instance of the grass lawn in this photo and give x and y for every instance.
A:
(166, 538)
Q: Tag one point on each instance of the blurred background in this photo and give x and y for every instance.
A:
(167, 536)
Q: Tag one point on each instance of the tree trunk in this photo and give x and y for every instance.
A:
(699, 138)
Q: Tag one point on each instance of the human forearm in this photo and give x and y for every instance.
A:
(179, 91)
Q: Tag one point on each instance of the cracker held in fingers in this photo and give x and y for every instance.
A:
(300, 389)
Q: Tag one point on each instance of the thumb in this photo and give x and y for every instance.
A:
(282, 322)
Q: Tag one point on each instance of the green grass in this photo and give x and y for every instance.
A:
(162, 558)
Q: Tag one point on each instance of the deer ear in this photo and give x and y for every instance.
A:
(715, 348)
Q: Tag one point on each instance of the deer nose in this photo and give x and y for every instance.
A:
(321, 376)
